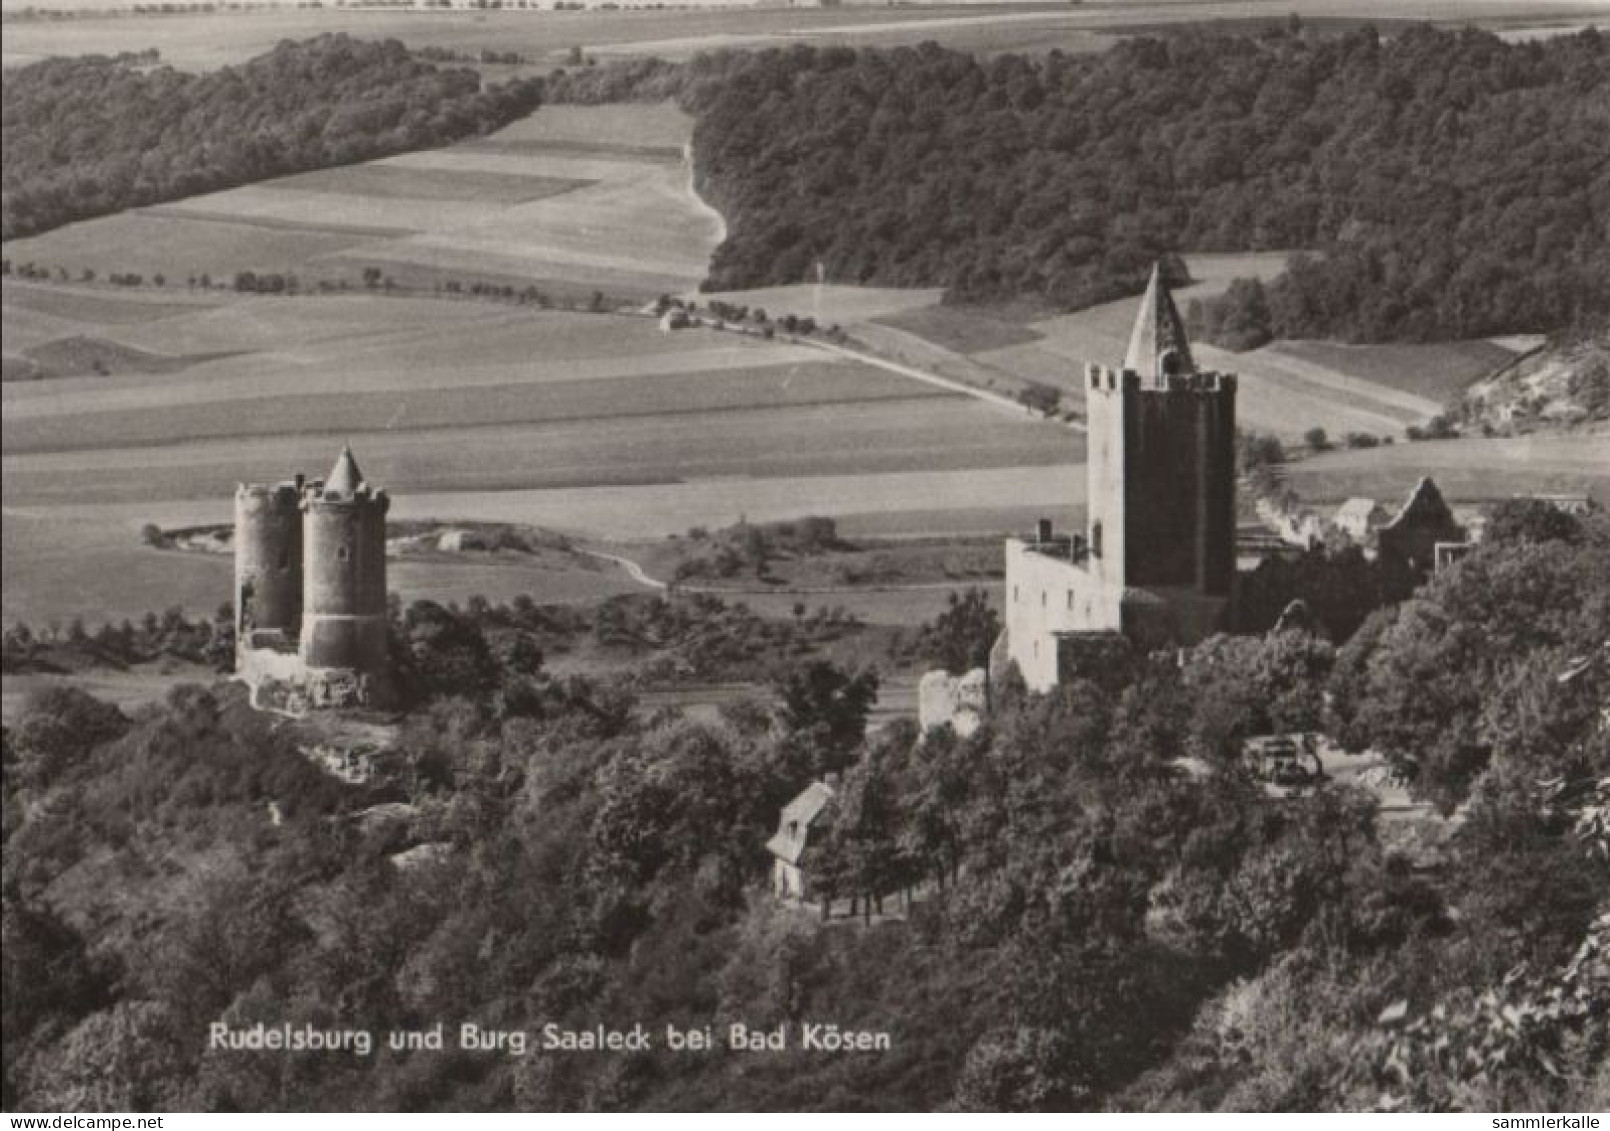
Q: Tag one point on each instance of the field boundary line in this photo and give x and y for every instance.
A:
(700, 202)
(994, 400)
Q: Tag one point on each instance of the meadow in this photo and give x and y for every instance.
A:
(1467, 471)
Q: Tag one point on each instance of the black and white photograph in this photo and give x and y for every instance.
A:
(787, 556)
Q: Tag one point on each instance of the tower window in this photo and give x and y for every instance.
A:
(1095, 539)
(342, 553)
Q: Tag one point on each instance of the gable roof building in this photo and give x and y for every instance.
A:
(1412, 536)
(808, 813)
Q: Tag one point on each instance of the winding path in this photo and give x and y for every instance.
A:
(633, 569)
(637, 573)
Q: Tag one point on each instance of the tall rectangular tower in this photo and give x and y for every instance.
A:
(1156, 567)
(1161, 462)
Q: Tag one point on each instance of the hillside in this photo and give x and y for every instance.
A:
(1564, 385)
(1452, 184)
(1092, 928)
(92, 135)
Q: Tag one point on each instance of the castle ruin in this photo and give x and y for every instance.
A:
(310, 591)
(1156, 563)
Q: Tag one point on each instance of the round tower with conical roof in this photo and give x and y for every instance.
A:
(344, 572)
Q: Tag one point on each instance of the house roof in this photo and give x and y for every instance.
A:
(1425, 503)
(793, 829)
(1159, 330)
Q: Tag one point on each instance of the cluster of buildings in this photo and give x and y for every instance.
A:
(1154, 567)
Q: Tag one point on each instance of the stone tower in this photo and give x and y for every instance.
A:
(268, 560)
(1155, 567)
(1161, 465)
(344, 572)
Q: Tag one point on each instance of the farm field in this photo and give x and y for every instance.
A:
(1285, 387)
(61, 566)
(85, 558)
(545, 37)
(829, 303)
(570, 200)
(1439, 372)
(597, 424)
(1466, 471)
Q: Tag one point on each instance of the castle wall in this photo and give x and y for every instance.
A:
(958, 701)
(268, 558)
(344, 598)
(1172, 617)
(1109, 417)
(1047, 594)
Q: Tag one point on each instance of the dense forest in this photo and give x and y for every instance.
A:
(1100, 928)
(92, 135)
(1450, 185)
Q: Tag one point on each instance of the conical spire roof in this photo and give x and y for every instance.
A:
(1159, 332)
(344, 477)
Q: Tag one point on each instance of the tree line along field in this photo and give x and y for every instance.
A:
(571, 199)
(1450, 183)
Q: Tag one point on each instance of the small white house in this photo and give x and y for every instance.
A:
(801, 817)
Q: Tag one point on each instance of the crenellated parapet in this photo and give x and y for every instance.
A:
(268, 558)
(1105, 379)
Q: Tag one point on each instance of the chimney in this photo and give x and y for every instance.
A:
(1042, 530)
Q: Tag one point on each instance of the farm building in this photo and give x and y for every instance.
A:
(802, 818)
